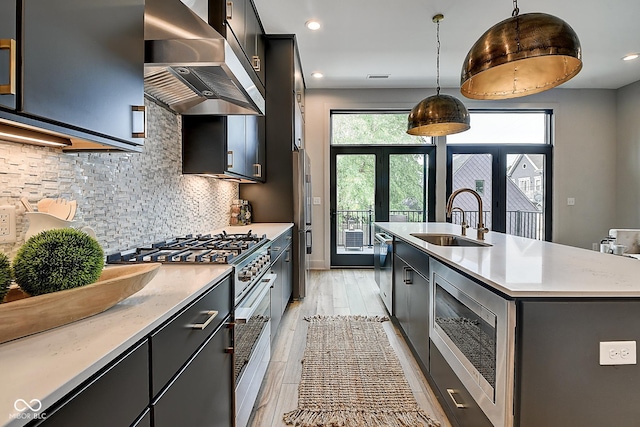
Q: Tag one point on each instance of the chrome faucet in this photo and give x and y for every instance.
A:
(481, 229)
(464, 224)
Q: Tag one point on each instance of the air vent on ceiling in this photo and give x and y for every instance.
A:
(377, 76)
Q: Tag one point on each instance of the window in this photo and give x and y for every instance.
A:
(507, 156)
(372, 128)
(505, 127)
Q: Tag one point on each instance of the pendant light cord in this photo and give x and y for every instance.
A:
(516, 10)
(438, 57)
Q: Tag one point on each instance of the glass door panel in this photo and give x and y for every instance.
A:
(472, 171)
(355, 205)
(408, 187)
(525, 195)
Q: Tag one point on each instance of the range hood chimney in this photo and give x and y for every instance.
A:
(191, 68)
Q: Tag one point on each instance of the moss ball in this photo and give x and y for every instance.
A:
(5, 275)
(55, 260)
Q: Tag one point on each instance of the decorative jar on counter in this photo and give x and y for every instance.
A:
(240, 212)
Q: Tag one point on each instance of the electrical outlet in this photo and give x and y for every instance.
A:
(618, 352)
(7, 224)
(571, 201)
(317, 201)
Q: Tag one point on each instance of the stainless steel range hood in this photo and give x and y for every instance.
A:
(191, 68)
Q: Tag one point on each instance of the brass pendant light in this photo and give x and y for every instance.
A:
(522, 55)
(438, 115)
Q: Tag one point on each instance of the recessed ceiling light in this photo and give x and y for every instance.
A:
(630, 56)
(312, 25)
(317, 75)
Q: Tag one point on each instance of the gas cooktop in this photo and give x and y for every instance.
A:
(219, 248)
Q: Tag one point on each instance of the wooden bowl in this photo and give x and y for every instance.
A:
(25, 315)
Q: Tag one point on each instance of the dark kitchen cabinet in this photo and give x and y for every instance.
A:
(201, 394)
(462, 409)
(192, 363)
(254, 40)
(284, 130)
(80, 68)
(282, 265)
(123, 386)
(8, 53)
(224, 146)
(238, 21)
(412, 297)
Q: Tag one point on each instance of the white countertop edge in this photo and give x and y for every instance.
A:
(609, 267)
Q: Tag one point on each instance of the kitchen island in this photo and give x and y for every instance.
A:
(45, 368)
(555, 327)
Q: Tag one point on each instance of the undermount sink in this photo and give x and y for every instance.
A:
(448, 240)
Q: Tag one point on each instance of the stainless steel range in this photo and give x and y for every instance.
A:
(249, 254)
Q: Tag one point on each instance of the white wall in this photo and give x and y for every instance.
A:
(628, 165)
(584, 155)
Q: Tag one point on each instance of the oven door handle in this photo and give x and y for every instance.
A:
(243, 314)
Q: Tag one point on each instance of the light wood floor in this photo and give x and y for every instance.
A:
(330, 292)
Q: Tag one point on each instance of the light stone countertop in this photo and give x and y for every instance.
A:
(48, 365)
(520, 267)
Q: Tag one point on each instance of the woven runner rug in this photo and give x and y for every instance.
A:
(351, 377)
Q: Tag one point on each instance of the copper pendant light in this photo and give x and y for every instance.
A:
(438, 115)
(520, 56)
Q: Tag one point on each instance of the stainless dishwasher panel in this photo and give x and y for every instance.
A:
(383, 267)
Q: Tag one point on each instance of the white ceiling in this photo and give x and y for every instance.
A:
(361, 37)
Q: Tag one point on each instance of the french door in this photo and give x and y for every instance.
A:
(514, 182)
(376, 183)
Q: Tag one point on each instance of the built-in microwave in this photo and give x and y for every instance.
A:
(474, 328)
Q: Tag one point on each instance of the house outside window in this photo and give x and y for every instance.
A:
(525, 185)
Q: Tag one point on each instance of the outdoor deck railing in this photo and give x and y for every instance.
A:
(363, 220)
(519, 223)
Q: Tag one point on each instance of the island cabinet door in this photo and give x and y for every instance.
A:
(560, 381)
(401, 293)
(202, 394)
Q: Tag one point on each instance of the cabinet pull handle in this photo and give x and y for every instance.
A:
(288, 257)
(229, 350)
(212, 315)
(229, 159)
(276, 248)
(9, 88)
(229, 10)
(139, 126)
(451, 391)
(255, 61)
(408, 275)
(258, 168)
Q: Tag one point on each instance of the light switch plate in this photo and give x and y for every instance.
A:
(7, 224)
(317, 201)
(618, 353)
(571, 201)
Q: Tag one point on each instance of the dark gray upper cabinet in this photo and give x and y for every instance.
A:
(8, 53)
(224, 146)
(80, 68)
(254, 40)
(239, 23)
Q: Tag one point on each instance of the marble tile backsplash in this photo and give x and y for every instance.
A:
(129, 199)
